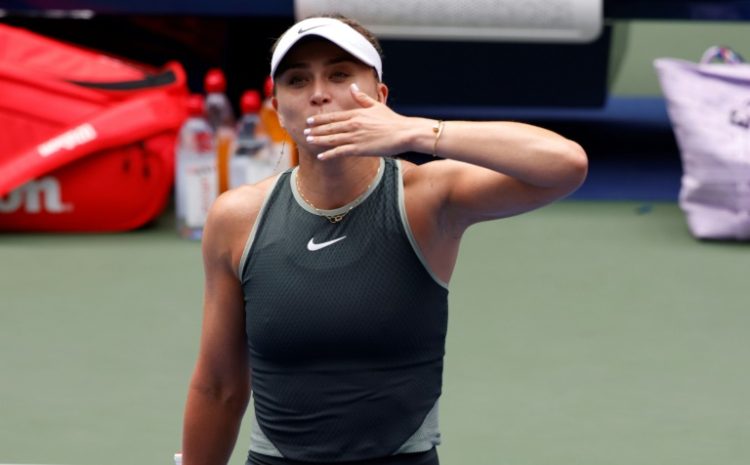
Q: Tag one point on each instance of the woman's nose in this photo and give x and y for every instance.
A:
(320, 95)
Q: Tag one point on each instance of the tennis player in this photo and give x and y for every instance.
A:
(326, 287)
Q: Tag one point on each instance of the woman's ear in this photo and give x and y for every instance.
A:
(275, 103)
(382, 93)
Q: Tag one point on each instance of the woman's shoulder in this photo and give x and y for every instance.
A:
(232, 216)
(242, 204)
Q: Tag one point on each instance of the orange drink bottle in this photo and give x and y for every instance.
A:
(221, 117)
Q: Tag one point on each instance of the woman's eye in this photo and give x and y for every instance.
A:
(295, 80)
(339, 75)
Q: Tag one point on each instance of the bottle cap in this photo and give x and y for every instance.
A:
(250, 101)
(195, 104)
(215, 81)
(268, 87)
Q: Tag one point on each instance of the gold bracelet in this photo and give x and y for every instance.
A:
(438, 130)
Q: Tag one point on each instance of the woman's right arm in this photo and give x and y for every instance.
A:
(220, 386)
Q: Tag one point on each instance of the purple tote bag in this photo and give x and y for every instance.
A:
(709, 107)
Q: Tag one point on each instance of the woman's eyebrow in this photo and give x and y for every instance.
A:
(296, 65)
(306, 65)
(342, 59)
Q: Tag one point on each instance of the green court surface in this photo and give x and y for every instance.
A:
(585, 333)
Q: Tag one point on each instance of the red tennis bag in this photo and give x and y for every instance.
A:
(86, 139)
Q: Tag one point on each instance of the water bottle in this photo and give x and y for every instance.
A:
(221, 117)
(196, 183)
(281, 143)
(251, 159)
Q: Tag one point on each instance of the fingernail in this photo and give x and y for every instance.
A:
(310, 138)
(307, 131)
(310, 120)
(355, 87)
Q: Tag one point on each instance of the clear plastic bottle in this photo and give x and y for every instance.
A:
(196, 183)
(221, 117)
(251, 159)
(281, 142)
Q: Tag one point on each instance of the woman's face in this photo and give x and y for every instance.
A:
(316, 77)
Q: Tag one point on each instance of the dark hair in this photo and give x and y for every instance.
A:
(354, 24)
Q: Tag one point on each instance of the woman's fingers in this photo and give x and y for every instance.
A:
(331, 128)
(362, 98)
(338, 151)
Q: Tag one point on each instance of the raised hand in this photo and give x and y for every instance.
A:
(373, 129)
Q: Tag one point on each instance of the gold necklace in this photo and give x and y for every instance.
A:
(335, 218)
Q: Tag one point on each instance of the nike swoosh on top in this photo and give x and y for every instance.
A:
(302, 31)
(312, 246)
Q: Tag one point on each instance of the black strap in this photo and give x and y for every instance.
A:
(153, 80)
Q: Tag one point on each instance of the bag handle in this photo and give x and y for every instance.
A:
(151, 81)
(721, 54)
(120, 124)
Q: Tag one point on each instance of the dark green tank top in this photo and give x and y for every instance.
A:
(345, 325)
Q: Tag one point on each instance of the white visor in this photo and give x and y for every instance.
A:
(333, 30)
